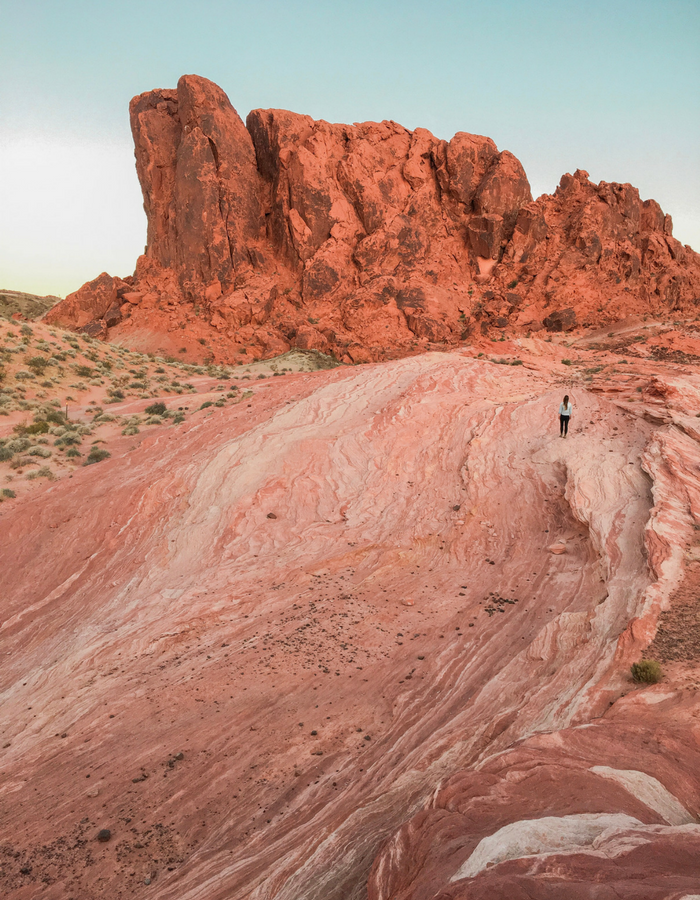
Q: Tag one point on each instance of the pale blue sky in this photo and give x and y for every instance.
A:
(611, 87)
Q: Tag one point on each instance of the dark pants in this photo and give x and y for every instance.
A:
(563, 424)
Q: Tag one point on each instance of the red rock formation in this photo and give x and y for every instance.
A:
(366, 240)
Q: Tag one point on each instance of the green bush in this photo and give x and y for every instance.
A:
(566, 362)
(156, 409)
(96, 454)
(68, 439)
(5, 454)
(55, 416)
(206, 404)
(37, 428)
(646, 671)
(38, 364)
(73, 452)
(10, 494)
(84, 371)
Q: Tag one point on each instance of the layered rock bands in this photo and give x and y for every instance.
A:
(366, 241)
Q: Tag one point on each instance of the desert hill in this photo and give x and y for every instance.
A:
(344, 633)
(27, 306)
(364, 241)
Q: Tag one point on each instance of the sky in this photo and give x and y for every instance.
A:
(611, 87)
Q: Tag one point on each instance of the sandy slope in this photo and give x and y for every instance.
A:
(328, 601)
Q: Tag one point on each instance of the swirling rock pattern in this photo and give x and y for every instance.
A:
(254, 649)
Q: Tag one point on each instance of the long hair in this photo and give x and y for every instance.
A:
(566, 401)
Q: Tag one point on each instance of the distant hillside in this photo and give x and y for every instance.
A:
(30, 306)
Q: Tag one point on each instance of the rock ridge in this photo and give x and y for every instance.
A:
(366, 241)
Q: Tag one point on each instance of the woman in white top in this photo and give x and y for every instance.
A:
(565, 410)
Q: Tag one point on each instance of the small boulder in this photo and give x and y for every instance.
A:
(561, 320)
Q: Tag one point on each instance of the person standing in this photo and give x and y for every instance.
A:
(565, 410)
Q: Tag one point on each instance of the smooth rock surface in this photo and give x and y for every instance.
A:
(337, 742)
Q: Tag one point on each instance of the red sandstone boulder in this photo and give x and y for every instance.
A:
(90, 303)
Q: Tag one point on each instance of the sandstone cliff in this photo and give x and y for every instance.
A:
(366, 241)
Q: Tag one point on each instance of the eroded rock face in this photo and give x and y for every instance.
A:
(383, 239)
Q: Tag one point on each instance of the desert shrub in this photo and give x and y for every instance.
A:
(178, 418)
(96, 454)
(156, 409)
(206, 404)
(154, 420)
(38, 427)
(37, 364)
(9, 493)
(566, 362)
(84, 371)
(5, 454)
(43, 452)
(26, 331)
(116, 394)
(646, 671)
(131, 429)
(17, 445)
(43, 472)
(68, 439)
(72, 452)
